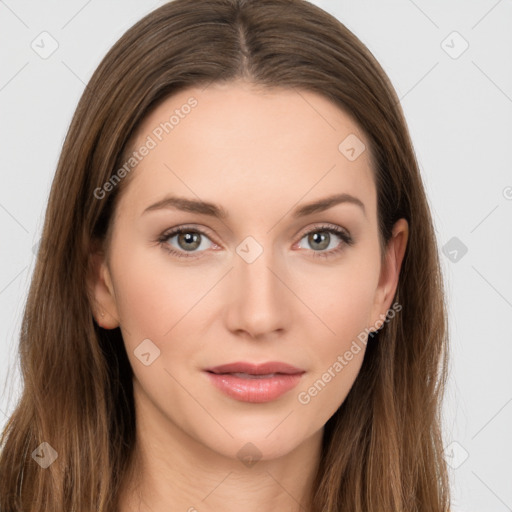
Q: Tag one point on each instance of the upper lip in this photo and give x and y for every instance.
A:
(255, 369)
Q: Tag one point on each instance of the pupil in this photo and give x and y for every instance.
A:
(190, 237)
(323, 235)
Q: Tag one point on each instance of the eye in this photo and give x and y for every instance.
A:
(188, 240)
(321, 238)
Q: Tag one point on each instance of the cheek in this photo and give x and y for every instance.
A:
(167, 304)
(347, 314)
(338, 355)
(154, 302)
(153, 294)
(343, 301)
(344, 305)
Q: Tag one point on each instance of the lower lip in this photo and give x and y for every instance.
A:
(255, 390)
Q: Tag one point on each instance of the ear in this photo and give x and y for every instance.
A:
(390, 272)
(100, 288)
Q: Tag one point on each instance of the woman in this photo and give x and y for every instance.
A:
(238, 300)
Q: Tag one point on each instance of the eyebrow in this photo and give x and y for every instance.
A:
(213, 210)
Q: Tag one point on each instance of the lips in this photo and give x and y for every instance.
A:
(254, 383)
(256, 369)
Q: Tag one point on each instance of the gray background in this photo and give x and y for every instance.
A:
(458, 105)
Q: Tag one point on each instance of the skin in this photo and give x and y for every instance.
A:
(259, 154)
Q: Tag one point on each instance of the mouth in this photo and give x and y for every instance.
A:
(254, 383)
(269, 368)
(243, 375)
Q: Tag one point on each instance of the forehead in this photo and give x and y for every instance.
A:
(249, 146)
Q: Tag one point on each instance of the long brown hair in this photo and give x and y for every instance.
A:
(382, 449)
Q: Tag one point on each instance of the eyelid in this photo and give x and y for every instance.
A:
(340, 231)
(305, 231)
(191, 227)
(319, 226)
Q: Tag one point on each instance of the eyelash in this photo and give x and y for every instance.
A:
(347, 240)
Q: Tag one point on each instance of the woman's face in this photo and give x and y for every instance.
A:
(271, 281)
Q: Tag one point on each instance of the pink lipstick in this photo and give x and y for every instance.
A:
(254, 383)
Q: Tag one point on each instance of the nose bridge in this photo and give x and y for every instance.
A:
(258, 300)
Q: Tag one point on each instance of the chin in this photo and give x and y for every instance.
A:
(265, 440)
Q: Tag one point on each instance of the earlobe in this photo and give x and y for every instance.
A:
(101, 290)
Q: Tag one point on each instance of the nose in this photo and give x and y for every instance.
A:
(258, 301)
